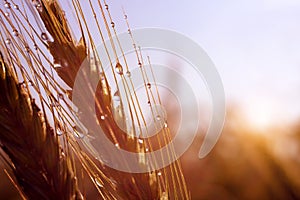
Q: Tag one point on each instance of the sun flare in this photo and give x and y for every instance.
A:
(260, 115)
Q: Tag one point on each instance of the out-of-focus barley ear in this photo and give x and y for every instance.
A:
(40, 167)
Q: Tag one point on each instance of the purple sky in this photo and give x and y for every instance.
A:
(254, 44)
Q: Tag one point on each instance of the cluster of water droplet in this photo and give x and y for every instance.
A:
(7, 5)
(37, 4)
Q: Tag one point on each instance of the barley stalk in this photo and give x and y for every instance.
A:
(63, 50)
(130, 186)
(40, 166)
(67, 58)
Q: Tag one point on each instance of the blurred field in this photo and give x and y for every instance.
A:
(246, 164)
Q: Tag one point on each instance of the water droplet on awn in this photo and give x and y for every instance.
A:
(15, 32)
(119, 69)
(98, 181)
(7, 41)
(59, 132)
(113, 24)
(116, 97)
(7, 5)
(128, 74)
(148, 85)
(44, 36)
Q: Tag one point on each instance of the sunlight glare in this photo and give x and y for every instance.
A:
(260, 115)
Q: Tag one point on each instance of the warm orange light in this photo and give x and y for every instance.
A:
(260, 115)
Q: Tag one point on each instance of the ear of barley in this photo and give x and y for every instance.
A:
(38, 163)
(67, 58)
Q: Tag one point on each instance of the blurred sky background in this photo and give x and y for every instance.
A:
(254, 44)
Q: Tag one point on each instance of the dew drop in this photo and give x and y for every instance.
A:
(148, 85)
(140, 64)
(59, 132)
(116, 97)
(119, 69)
(7, 41)
(106, 6)
(112, 24)
(159, 173)
(125, 16)
(27, 49)
(158, 118)
(62, 155)
(39, 7)
(16, 7)
(165, 125)
(15, 32)
(35, 46)
(7, 5)
(6, 14)
(44, 36)
(141, 141)
(98, 181)
(22, 84)
(56, 65)
(149, 103)
(128, 74)
(146, 149)
(30, 83)
(102, 117)
(117, 145)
